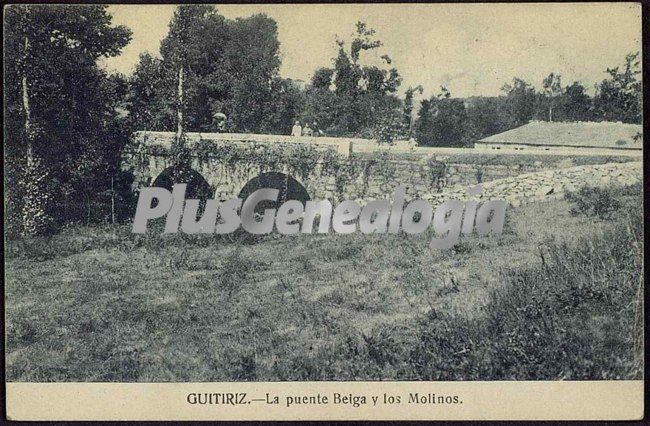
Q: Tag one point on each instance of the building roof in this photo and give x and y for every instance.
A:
(579, 134)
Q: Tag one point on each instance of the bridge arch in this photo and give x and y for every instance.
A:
(197, 186)
(290, 188)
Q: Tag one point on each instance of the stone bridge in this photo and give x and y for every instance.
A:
(230, 165)
(317, 168)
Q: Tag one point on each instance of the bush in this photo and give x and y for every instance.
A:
(577, 315)
(603, 203)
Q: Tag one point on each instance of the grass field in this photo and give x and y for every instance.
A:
(556, 296)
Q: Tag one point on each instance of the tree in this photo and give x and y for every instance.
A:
(408, 107)
(362, 101)
(618, 98)
(576, 104)
(58, 103)
(151, 100)
(552, 89)
(254, 62)
(228, 66)
(283, 105)
(182, 50)
(33, 216)
(322, 78)
(442, 121)
(520, 102)
(487, 116)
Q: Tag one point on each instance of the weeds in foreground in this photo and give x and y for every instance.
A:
(574, 316)
(233, 311)
(604, 203)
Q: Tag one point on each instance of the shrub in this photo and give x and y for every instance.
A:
(602, 203)
(577, 315)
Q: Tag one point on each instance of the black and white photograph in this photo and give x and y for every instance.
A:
(203, 193)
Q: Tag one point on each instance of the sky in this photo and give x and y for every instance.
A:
(472, 49)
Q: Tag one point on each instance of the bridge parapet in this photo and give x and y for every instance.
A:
(332, 168)
(343, 145)
(165, 139)
(347, 146)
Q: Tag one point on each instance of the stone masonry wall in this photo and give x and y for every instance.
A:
(365, 178)
(548, 184)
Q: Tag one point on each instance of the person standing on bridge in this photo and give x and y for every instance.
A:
(219, 122)
(296, 130)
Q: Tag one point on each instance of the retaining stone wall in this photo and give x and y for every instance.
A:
(548, 184)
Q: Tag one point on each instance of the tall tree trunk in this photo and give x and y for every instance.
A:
(28, 112)
(33, 217)
(181, 155)
(179, 118)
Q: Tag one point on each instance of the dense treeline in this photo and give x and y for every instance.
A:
(445, 121)
(67, 120)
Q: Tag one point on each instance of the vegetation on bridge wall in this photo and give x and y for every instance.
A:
(327, 174)
(325, 171)
(304, 162)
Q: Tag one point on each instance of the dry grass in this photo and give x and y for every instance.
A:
(100, 304)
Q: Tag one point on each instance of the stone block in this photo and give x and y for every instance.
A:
(544, 190)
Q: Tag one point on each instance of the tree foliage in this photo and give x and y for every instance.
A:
(442, 121)
(409, 106)
(75, 131)
(230, 66)
(619, 97)
(352, 98)
(457, 122)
